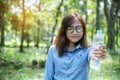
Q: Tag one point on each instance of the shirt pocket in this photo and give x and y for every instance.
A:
(60, 68)
(81, 60)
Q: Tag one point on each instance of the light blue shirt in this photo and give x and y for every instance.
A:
(73, 65)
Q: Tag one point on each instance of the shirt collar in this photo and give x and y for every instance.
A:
(77, 47)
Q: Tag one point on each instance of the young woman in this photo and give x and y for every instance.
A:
(68, 58)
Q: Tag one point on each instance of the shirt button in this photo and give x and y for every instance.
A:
(68, 67)
(67, 76)
(80, 54)
(69, 59)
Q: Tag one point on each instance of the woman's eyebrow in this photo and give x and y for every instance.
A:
(76, 26)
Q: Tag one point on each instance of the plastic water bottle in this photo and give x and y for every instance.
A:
(98, 40)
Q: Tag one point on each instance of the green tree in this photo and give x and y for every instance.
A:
(56, 19)
(111, 11)
(23, 26)
(3, 9)
(97, 15)
(15, 21)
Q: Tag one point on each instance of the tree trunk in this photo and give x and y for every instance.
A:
(117, 26)
(56, 21)
(38, 31)
(38, 28)
(111, 15)
(2, 25)
(2, 21)
(66, 9)
(98, 15)
(117, 32)
(23, 25)
(2, 34)
(86, 15)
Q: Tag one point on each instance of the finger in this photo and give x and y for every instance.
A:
(100, 56)
(97, 52)
(103, 57)
(104, 52)
(102, 47)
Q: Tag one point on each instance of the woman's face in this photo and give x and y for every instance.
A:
(74, 32)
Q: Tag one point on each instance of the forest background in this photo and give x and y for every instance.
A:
(28, 28)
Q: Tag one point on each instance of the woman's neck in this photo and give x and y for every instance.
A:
(71, 46)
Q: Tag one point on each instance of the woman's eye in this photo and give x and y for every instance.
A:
(79, 29)
(69, 29)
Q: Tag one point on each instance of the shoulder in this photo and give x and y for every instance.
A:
(88, 48)
(53, 49)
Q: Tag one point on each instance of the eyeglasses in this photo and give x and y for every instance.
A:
(77, 28)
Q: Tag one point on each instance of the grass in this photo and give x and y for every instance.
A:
(108, 70)
(22, 68)
(18, 66)
(22, 74)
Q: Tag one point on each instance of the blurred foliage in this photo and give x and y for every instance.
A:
(45, 12)
(110, 68)
(12, 58)
(30, 65)
(15, 65)
(40, 15)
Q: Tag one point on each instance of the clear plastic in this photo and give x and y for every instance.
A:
(98, 40)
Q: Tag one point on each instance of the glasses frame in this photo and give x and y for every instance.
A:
(78, 29)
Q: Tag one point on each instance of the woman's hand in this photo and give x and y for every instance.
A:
(100, 52)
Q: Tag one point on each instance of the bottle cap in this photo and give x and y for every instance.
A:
(99, 31)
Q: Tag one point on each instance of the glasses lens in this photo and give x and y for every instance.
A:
(70, 29)
(79, 29)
